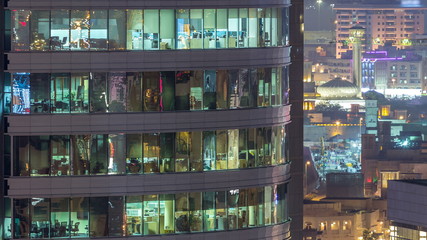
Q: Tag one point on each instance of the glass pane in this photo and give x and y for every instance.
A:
(79, 217)
(255, 208)
(134, 92)
(60, 155)
(39, 156)
(21, 156)
(260, 141)
(209, 216)
(253, 28)
(167, 29)
(209, 150)
(183, 28)
(267, 205)
(233, 27)
(133, 153)
(60, 30)
(134, 29)
(117, 89)
(167, 205)
(274, 27)
(115, 216)
(60, 92)
(8, 218)
(40, 94)
(285, 85)
(233, 149)
(182, 151)
(243, 27)
(195, 211)
(182, 222)
(99, 154)
(167, 143)
(39, 212)
(80, 25)
(243, 148)
(221, 28)
(196, 29)
(39, 37)
(253, 88)
(98, 216)
(167, 81)
(267, 27)
(233, 88)
(21, 30)
(209, 16)
(232, 207)
(221, 211)
(196, 157)
(151, 91)
(117, 153)
(252, 151)
(222, 87)
(80, 145)
(59, 217)
(209, 91)
(245, 217)
(221, 149)
(151, 29)
(22, 218)
(98, 92)
(243, 88)
(196, 90)
(261, 27)
(98, 30)
(116, 30)
(21, 93)
(134, 210)
(79, 92)
(261, 212)
(151, 152)
(151, 215)
(182, 90)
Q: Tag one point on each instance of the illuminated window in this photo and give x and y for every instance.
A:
(385, 176)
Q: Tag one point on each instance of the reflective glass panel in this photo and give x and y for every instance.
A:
(134, 29)
(117, 153)
(39, 156)
(79, 218)
(80, 25)
(60, 92)
(21, 30)
(79, 92)
(151, 29)
(116, 30)
(151, 152)
(60, 30)
(167, 29)
(60, 217)
(99, 154)
(98, 30)
(60, 155)
(40, 37)
(117, 92)
(134, 213)
(133, 153)
(40, 95)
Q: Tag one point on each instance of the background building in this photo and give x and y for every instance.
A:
(149, 118)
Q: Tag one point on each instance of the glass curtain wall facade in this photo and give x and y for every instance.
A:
(154, 214)
(137, 151)
(101, 92)
(147, 29)
(106, 154)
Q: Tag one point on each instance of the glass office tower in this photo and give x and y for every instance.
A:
(143, 119)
